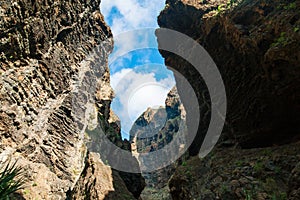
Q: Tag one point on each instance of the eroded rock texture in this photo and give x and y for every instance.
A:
(156, 127)
(264, 173)
(255, 45)
(154, 130)
(54, 84)
(99, 181)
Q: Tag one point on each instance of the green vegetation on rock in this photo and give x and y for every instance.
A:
(11, 180)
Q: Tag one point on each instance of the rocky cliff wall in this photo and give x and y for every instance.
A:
(255, 47)
(54, 83)
(154, 130)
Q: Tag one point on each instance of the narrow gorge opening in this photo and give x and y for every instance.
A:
(146, 101)
(61, 140)
(139, 78)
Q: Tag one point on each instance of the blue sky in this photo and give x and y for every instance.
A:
(138, 76)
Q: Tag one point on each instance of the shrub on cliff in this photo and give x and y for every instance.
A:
(11, 180)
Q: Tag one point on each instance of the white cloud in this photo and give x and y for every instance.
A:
(136, 92)
(134, 13)
(127, 42)
(147, 95)
(131, 41)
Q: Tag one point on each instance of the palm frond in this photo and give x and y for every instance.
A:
(11, 180)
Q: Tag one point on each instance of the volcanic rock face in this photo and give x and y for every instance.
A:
(152, 131)
(146, 129)
(255, 47)
(263, 173)
(155, 128)
(99, 181)
(54, 84)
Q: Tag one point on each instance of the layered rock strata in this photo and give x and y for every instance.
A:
(153, 131)
(255, 47)
(54, 83)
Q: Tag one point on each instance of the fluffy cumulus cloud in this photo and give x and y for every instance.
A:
(124, 15)
(132, 22)
(136, 91)
(130, 41)
(136, 88)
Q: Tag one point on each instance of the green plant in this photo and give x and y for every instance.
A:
(188, 173)
(258, 167)
(296, 29)
(110, 129)
(118, 136)
(277, 169)
(224, 188)
(267, 152)
(248, 194)
(282, 40)
(75, 172)
(280, 196)
(239, 163)
(228, 5)
(183, 163)
(221, 8)
(290, 6)
(11, 180)
(283, 196)
(101, 117)
(26, 192)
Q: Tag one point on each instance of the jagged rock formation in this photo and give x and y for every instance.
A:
(124, 185)
(54, 84)
(97, 182)
(263, 173)
(147, 136)
(152, 131)
(156, 128)
(255, 47)
(144, 132)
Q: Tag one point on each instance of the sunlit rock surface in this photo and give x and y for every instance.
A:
(54, 83)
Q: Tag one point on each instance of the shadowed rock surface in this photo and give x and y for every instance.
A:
(231, 174)
(255, 45)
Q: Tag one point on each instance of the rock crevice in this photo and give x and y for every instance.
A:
(54, 84)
